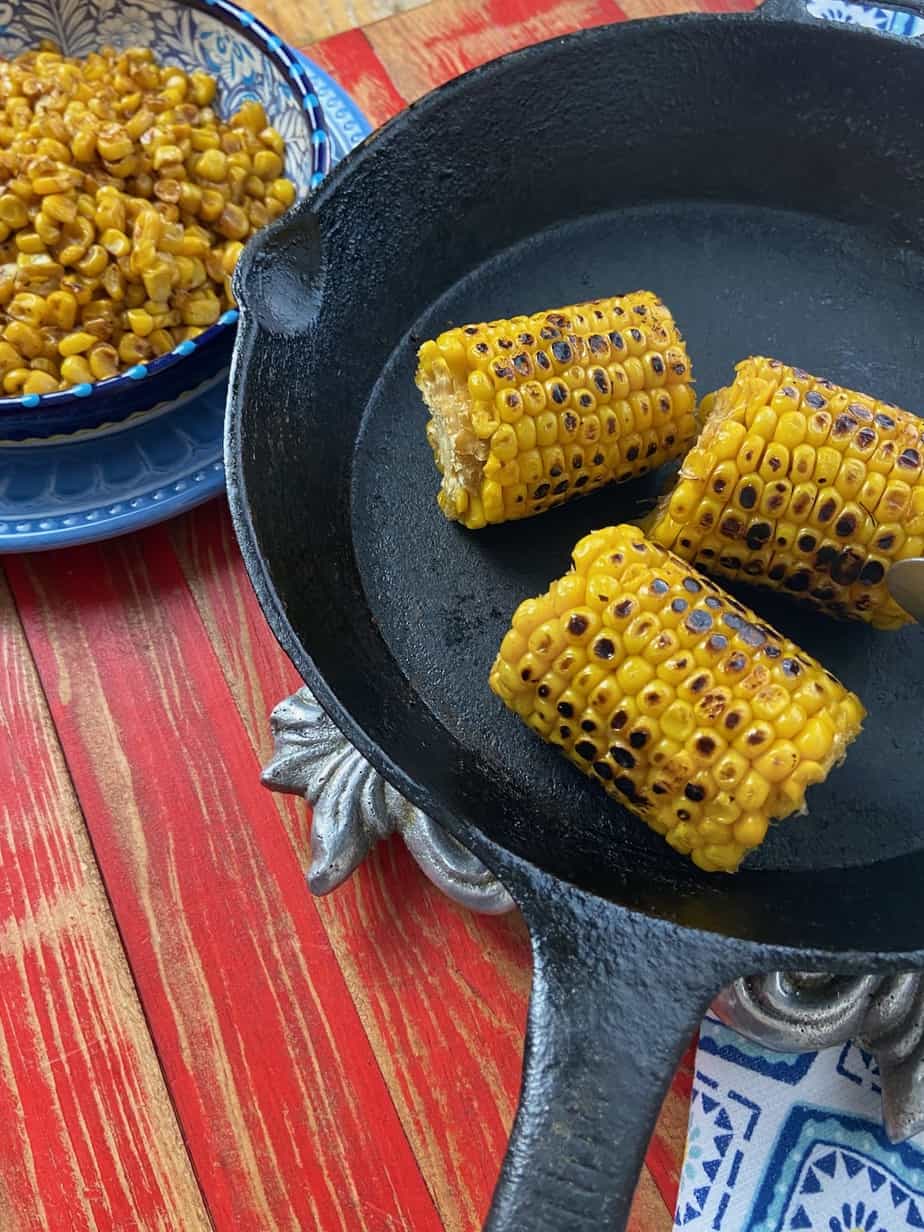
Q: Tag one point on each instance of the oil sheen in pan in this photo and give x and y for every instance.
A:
(740, 280)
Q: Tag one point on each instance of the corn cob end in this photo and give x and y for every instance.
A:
(526, 413)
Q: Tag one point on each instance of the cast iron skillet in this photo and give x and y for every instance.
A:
(764, 173)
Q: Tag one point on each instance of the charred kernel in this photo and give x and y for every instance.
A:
(690, 584)
(559, 392)
(597, 344)
(504, 343)
(712, 601)
(659, 789)
(884, 421)
(562, 352)
(751, 635)
(503, 371)
(598, 459)
(698, 683)
(541, 491)
(657, 364)
(585, 749)
(482, 348)
(560, 487)
(799, 581)
(847, 568)
(772, 652)
(619, 720)
(577, 624)
(845, 525)
(622, 756)
(748, 496)
(549, 331)
(632, 453)
(826, 510)
(806, 542)
(705, 745)
(522, 364)
(694, 792)
(736, 662)
(826, 556)
(626, 786)
(526, 339)
(565, 709)
(732, 719)
(679, 605)
(586, 400)
(543, 360)
(636, 335)
(543, 690)
(815, 400)
(659, 587)
(564, 731)
(526, 674)
(617, 340)
(604, 648)
(717, 642)
(604, 771)
(844, 425)
(625, 607)
(872, 573)
(791, 667)
(731, 527)
(864, 438)
(601, 380)
(758, 535)
(909, 458)
(581, 481)
(698, 621)
(638, 739)
(734, 621)
(776, 573)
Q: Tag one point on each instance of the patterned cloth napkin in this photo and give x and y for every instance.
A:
(781, 1141)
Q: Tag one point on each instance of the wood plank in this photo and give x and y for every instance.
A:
(302, 23)
(286, 1116)
(88, 1138)
(427, 46)
(442, 993)
(350, 59)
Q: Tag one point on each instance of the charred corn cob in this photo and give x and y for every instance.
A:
(529, 412)
(801, 485)
(682, 703)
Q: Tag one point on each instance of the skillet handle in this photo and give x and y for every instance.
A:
(798, 10)
(615, 1000)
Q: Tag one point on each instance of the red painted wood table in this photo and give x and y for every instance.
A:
(188, 1040)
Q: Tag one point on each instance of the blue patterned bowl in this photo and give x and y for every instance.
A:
(248, 61)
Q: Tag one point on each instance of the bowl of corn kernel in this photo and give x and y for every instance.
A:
(141, 144)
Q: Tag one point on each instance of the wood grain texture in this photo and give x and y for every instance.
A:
(350, 59)
(302, 23)
(287, 1118)
(441, 992)
(88, 1137)
(427, 46)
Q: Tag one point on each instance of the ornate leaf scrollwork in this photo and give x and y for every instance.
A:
(354, 808)
(802, 1011)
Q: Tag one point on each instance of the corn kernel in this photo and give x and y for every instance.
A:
(38, 382)
(76, 343)
(76, 370)
(104, 361)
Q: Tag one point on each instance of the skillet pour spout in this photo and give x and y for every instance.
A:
(757, 171)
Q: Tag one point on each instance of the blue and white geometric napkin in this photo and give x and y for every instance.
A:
(784, 1141)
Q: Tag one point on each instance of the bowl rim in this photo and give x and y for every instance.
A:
(295, 72)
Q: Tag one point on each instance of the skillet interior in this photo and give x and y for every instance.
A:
(762, 179)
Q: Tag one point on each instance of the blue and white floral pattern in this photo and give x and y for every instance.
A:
(215, 36)
(112, 481)
(872, 16)
(786, 1142)
(248, 60)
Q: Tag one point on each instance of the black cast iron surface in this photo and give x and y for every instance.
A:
(764, 177)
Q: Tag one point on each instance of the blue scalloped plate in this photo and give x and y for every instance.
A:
(111, 480)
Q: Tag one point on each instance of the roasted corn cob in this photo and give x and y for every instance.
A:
(801, 485)
(528, 412)
(681, 702)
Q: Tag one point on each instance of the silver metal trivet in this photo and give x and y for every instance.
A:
(790, 1012)
(354, 808)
